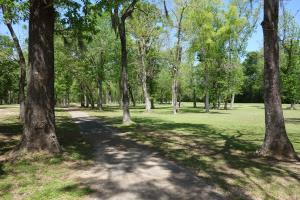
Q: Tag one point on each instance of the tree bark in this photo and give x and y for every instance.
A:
(144, 75)
(124, 75)
(39, 127)
(22, 63)
(276, 143)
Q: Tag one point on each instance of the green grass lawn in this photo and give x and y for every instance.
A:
(219, 146)
(42, 176)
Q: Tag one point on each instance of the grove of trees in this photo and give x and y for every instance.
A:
(137, 51)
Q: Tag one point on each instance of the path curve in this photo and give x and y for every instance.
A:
(125, 170)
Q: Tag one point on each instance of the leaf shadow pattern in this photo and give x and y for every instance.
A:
(224, 160)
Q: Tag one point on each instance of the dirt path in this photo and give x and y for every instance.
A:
(125, 170)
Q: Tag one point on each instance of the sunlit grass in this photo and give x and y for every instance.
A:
(219, 146)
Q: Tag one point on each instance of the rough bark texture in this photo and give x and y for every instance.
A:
(124, 75)
(144, 75)
(22, 63)
(39, 128)
(276, 143)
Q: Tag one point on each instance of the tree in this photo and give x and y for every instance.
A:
(289, 32)
(39, 127)
(8, 72)
(120, 11)
(145, 30)
(10, 10)
(276, 143)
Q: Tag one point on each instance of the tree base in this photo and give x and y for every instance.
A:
(286, 155)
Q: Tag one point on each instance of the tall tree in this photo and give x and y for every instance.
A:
(120, 12)
(145, 29)
(9, 14)
(276, 143)
(39, 128)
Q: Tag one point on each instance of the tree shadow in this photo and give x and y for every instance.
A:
(295, 121)
(217, 156)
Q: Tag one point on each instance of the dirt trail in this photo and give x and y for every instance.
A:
(125, 170)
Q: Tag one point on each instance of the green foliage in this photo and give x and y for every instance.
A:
(8, 71)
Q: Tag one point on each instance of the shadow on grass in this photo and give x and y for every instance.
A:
(217, 156)
(295, 121)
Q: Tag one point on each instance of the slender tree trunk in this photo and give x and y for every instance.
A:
(144, 75)
(39, 127)
(174, 95)
(194, 99)
(152, 103)
(226, 104)
(124, 75)
(276, 143)
(207, 101)
(232, 101)
(293, 107)
(131, 96)
(207, 89)
(100, 95)
(22, 76)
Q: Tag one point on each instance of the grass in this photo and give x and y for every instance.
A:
(41, 176)
(219, 146)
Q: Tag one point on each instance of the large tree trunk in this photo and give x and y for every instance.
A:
(276, 143)
(22, 63)
(124, 75)
(144, 75)
(39, 127)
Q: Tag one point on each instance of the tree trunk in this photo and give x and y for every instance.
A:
(22, 63)
(100, 95)
(276, 143)
(174, 95)
(124, 75)
(144, 75)
(152, 103)
(194, 99)
(39, 127)
(86, 101)
(232, 101)
(226, 105)
(293, 107)
(207, 102)
(207, 89)
(131, 96)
